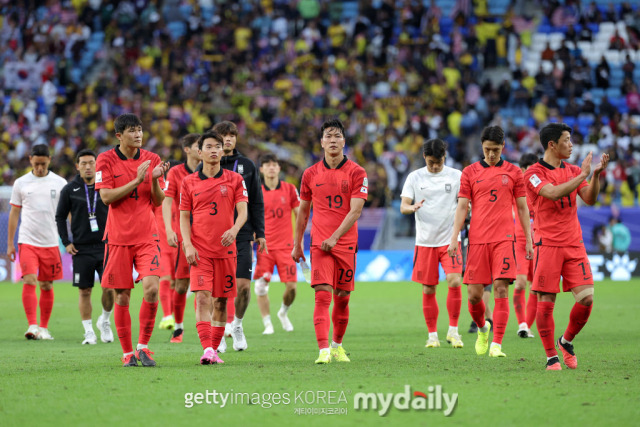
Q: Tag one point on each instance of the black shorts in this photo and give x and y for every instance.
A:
(245, 259)
(86, 263)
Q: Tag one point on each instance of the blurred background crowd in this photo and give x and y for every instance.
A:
(396, 72)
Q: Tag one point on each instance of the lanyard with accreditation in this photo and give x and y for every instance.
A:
(93, 222)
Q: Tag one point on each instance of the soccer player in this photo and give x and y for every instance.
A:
(236, 162)
(338, 188)
(171, 217)
(130, 181)
(524, 273)
(490, 185)
(208, 201)
(166, 282)
(431, 193)
(88, 216)
(280, 200)
(34, 198)
(553, 186)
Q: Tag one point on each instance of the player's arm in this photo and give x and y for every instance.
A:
(590, 193)
(406, 207)
(458, 223)
(355, 210)
(185, 228)
(157, 194)
(301, 224)
(557, 192)
(14, 216)
(523, 216)
(172, 237)
(112, 195)
(257, 211)
(229, 236)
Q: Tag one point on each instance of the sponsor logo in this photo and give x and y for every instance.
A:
(479, 180)
(365, 182)
(244, 185)
(117, 176)
(319, 185)
(195, 194)
(76, 189)
(534, 180)
(99, 176)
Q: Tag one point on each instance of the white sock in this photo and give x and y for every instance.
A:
(126, 354)
(453, 330)
(87, 326)
(486, 327)
(495, 344)
(106, 314)
(141, 346)
(266, 320)
(284, 308)
(433, 335)
(208, 348)
(324, 350)
(563, 341)
(335, 344)
(237, 321)
(165, 318)
(549, 358)
(179, 325)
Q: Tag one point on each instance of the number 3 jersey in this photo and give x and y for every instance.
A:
(556, 222)
(212, 203)
(491, 190)
(278, 204)
(131, 220)
(330, 191)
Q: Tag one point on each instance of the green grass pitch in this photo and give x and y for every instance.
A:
(61, 382)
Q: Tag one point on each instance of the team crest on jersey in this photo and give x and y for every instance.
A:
(282, 200)
(223, 190)
(345, 186)
(447, 188)
(53, 194)
(505, 180)
(240, 169)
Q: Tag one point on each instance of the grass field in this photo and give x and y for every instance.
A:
(64, 383)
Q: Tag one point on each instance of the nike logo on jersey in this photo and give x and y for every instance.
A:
(480, 180)
(197, 194)
(76, 189)
(318, 185)
(117, 176)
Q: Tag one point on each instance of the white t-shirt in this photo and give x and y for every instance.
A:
(434, 220)
(38, 198)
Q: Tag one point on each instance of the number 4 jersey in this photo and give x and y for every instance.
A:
(131, 220)
(331, 191)
(556, 222)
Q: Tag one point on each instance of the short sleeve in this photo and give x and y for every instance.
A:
(294, 198)
(518, 186)
(171, 186)
(16, 195)
(465, 185)
(241, 194)
(104, 179)
(535, 180)
(185, 197)
(359, 184)
(305, 189)
(407, 189)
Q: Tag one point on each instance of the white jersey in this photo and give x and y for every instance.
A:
(38, 197)
(434, 220)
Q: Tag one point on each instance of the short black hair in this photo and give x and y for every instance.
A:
(85, 152)
(40, 150)
(434, 147)
(126, 121)
(209, 135)
(225, 128)
(332, 123)
(189, 139)
(492, 133)
(528, 159)
(553, 132)
(268, 158)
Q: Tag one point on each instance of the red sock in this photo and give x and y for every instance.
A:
(231, 309)
(518, 305)
(164, 294)
(430, 311)
(532, 306)
(30, 302)
(147, 321)
(204, 333)
(321, 318)
(179, 303)
(195, 303)
(173, 298)
(122, 320)
(340, 317)
(577, 319)
(216, 336)
(454, 302)
(477, 313)
(46, 307)
(500, 319)
(546, 326)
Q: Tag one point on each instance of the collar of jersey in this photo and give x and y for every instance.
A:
(486, 165)
(186, 167)
(123, 157)
(548, 166)
(203, 176)
(326, 165)
(268, 189)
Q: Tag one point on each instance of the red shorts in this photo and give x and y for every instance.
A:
(216, 275)
(166, 259)
(45, 262)
(525, 266)
(487, 262)
(120, 260)
(333, 268)
(281, 258)
(426, 260)
(180, 266)
(552, 262)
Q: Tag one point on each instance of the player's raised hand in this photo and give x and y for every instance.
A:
(228, 237)
(172, 239)
(604, 161)
(453, 248)
(417, 206)
(191, 254)
(160, 170)
(297, 253)
(142, 171)
(586, 164)
(262, 245)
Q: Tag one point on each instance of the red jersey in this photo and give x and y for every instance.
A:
(212, 203)
(278, 204)
(131, 220)
(162, 234)
(172, 189)
(331, 191)
(491, 190)
(520, 237)
(556, 223)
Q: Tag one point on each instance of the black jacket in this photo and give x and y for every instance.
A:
(74, 199)
(255, 209)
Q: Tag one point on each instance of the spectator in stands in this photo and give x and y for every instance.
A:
(633, 100)
(616, 42)
(621, 235)
(628, 67)
(548, 54)
(602, 238)
(603, 73)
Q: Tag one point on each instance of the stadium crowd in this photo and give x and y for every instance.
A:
(397, 73)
